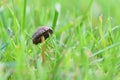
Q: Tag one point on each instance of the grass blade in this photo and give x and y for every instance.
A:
(109, 47)
(57, 10)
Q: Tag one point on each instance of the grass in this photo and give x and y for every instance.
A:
(85, 44)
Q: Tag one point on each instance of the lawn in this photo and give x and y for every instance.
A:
(85, 44)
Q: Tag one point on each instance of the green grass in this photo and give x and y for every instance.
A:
(85, 44)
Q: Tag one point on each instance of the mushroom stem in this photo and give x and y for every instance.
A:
(42, 40)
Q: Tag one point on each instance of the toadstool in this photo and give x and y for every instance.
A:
(40, 36)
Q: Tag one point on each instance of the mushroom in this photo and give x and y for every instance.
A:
(40, 36)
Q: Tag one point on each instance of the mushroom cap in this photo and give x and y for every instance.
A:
(42, 31)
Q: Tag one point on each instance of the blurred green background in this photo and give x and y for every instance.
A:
(85, 44)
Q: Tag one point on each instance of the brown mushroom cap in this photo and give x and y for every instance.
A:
(42, 31)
